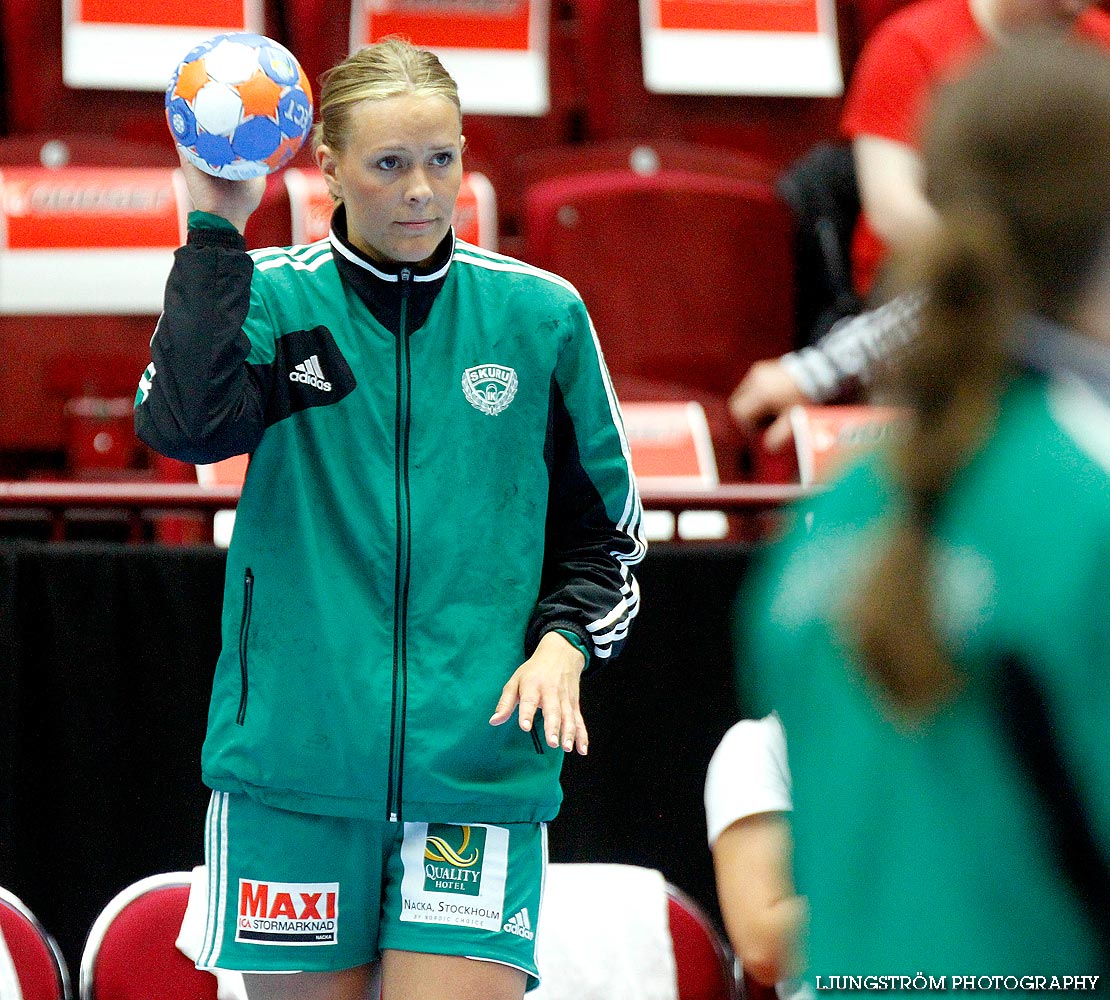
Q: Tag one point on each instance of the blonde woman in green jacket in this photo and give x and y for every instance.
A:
(437, 531)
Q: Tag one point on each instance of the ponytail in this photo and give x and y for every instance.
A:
(1017, 166)
(951, 378)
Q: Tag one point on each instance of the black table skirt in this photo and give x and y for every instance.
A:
(106, 658)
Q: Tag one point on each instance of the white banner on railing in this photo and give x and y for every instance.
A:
(672, 449)
(495, 49)
(760, 47)
(827, 436)
(137, 44)
(88, 240)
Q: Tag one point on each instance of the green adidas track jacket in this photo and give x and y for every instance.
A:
(438, 477)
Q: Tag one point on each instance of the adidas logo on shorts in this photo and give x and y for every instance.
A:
(520, 925)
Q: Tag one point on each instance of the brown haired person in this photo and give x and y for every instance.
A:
(934, 632)
(437, 530)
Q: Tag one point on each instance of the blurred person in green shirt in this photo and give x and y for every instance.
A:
(934, 631)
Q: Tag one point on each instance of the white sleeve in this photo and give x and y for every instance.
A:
(747, 775)
(855, 349)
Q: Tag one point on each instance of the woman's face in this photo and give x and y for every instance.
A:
(399, 176)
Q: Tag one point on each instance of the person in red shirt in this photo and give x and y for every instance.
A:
(911, 53)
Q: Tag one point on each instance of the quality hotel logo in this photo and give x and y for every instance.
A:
(453, 858)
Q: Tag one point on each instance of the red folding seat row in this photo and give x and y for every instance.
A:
(687, 276)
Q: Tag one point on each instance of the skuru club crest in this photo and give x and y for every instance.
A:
(489, 388)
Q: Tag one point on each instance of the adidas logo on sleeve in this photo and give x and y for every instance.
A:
(520, 925)
(308, 372)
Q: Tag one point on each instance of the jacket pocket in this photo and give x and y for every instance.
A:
(244, 632)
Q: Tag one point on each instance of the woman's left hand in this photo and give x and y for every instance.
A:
(548, 681)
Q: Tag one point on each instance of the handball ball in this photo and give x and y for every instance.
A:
(239, 106)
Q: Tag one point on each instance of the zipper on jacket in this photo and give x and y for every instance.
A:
(403, 559)
(244, 630)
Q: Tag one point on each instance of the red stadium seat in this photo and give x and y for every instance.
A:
(688, 278)
(640, 157)
(825, 437)
(535, 165)
(703, 960)
(32, 954)
(102, 357)
(131, 951)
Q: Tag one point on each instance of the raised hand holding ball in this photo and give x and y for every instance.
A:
(239, 105)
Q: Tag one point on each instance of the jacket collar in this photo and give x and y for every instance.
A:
(435, 269)
(377, 284)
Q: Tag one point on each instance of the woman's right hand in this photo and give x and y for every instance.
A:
(231, 200)
(763, 400)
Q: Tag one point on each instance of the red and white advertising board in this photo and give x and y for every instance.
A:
(765, 47)
(137, 44)
(671, 446)
(495, 49)
(475, 218)
(827, 436)
(672, 449)
(88, 240)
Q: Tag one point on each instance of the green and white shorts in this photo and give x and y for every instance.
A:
(296, 892)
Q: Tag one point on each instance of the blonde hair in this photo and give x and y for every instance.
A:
(390, 67)
(1017, 160)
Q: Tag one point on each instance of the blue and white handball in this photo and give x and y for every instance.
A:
(239, 105)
